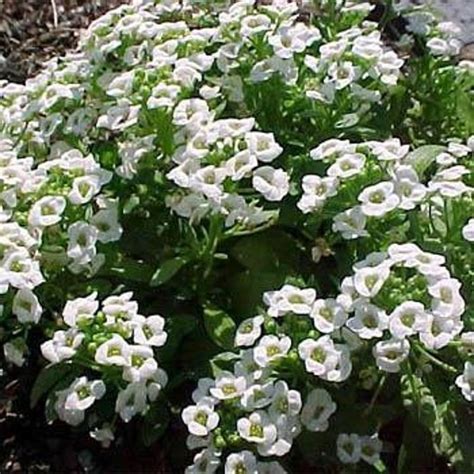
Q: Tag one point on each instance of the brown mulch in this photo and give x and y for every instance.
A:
(28, 36)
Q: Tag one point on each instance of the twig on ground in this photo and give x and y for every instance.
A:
(55, 13)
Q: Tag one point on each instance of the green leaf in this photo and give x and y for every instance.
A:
(433, 404)
(266, 251)
(167, 270)
(454, 436)
(422, 158)
(177, 328)
(466, 110)
(418, 399)
(220, 327)
(416, 452)
(129, 269)
(155, 423)
(223, 361)
(46, 380)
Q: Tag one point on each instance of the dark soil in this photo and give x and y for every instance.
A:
(28, 36)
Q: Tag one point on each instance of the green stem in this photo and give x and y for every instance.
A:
(376, 395)
(435, 361)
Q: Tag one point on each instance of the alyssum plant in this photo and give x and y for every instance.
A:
(194, 159)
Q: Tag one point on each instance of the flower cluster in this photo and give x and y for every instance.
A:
(442, 38)
(40, 202)
(199, 153)
(394, 182)
(117, 344)
(392, 298)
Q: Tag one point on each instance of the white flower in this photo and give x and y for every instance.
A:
(163, 96)
(239, 463)
(155, 384)
(369, 321)
(71, 417)
(120, 116)
(131, 401)
(83, 394)
(388, 68)
(208, 180)
(26, 306)
(466, 382)
(19, 270)
(408, 188)
(228, 386)
(257, 428)
(63, 346)
(205, 462)
(442, 47)
(391, 353)
(103, 435)
(285, 402)
(272, 183)
(330, 148)
(80, 310)
(316, 191)
(142, 364)
(407, 319)
(368, 46)
(445, 160)
(263, 146)
(468, 231)
(191, 111)
(369, 281)
(447, 301)
(46, 211)
(84, 189)
(347, 165)
(325, 359)
(249, 369)
(424, 262)
(149, 331)
(440, 331)
(317, 410)
(333, 50)
(115, 351)
(249, 331)
(293, 39)
(271, 348)
(120, 308)
(371, 447)
(202, 390)
(379, 199)
(342, 74)
(289, 299)
(200, 419)
(14, 352)
(351, 223)
(107, 224)
(458, 150)
(254, 24)
(257, 396)
(328, 315)
(241, 165)
(121, 85)
(287, 429)
(349, 448)
(81, 245)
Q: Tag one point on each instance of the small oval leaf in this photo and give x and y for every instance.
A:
(220, 327)
(168, 270)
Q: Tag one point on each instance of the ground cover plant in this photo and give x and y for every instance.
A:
(241, 234)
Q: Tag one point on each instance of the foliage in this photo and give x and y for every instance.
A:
(195, 159)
